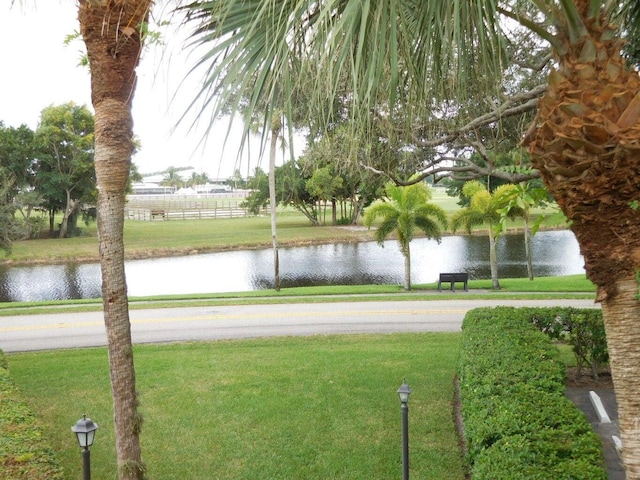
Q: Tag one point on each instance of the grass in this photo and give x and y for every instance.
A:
(314, 408)
(145, 239)
(570, 286)
(162, 238)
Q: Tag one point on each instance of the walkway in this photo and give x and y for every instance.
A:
(580, 396)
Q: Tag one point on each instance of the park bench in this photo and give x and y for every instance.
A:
(452, 278)
(156, 212)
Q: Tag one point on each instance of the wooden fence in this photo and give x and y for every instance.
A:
(185, 208)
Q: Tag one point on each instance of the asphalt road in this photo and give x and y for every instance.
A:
(75, 330)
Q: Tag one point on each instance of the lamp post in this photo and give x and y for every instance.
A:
(404, 392)
(85, 431)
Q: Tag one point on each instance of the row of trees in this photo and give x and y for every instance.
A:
(315, 189)
(404, 209)
(47, 170)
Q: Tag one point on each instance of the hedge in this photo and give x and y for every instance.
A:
(517, 422)
(24, 453)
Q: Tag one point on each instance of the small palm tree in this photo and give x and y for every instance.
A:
(484, 209)
(402, 211)
(519, 201)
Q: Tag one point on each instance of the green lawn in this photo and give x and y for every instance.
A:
(180, 237)
(286, 408)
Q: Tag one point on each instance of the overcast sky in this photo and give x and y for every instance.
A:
(38, 70)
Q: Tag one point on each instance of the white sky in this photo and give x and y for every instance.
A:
(38, 70)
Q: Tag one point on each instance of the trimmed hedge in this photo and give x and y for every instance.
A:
(517, 422)
(24, 454)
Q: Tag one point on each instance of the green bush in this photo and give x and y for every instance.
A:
(582, 328)
(24, 454)
(517, 422)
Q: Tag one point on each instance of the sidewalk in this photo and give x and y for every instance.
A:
(580, 396)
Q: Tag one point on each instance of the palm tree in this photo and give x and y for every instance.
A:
(404, 210)
(484, 209)
(112, 32)
(519, 201)
(584, 139)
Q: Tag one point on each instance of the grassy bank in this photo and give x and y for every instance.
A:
(313, 408)
(570, 286)
(144, 239)
(167, 238)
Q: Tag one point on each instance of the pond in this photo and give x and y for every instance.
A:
(554, 253)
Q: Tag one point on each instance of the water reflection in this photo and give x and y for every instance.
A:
(554, 253)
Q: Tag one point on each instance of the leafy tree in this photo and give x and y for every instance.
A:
(259, 196)
(17, 159)
(484, 209)
(292, 190)
(66, 174)
(359, 186)
(325, 185)
(17, 182)
(404, 210)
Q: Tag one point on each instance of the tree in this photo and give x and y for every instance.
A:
(583, 141)
(66, 174)
(173, 178)
(325, 185)
(17, 158)
(113, 32)
(404, 210)
(259, 196)
(484, 208)
(17, 183)
(519, 201)
(236, 181)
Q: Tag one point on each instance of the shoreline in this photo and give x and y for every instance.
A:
(140, 254)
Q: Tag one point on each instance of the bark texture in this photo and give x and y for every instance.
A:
(586, 144)
(111, 32)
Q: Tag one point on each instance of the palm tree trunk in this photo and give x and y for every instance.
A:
(527, 245)
(493, 259)
(584, 143)
(275, 130)
(113, 48)
(407, 267)
(621, 313)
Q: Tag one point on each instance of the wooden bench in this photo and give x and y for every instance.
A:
(156, 212)
(452, 278)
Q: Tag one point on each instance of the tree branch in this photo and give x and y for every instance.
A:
(515, 105)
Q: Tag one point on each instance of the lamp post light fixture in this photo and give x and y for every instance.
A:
(85, 431)
(404, 391)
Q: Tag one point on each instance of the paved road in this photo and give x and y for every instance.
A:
(74, 330)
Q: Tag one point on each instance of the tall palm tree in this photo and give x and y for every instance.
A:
(484, 209)
(584, 140)
(403, 211)
(112, 32)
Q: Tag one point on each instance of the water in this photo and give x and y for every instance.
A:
(554, 253)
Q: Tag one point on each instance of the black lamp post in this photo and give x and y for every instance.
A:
(85, 431)
(404, 392)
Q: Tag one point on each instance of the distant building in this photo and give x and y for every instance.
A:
(150, 189)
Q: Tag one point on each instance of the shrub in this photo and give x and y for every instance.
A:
(582, 328)
(517, 422)
(24, 454)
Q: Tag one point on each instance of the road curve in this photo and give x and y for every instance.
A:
(76, 330)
